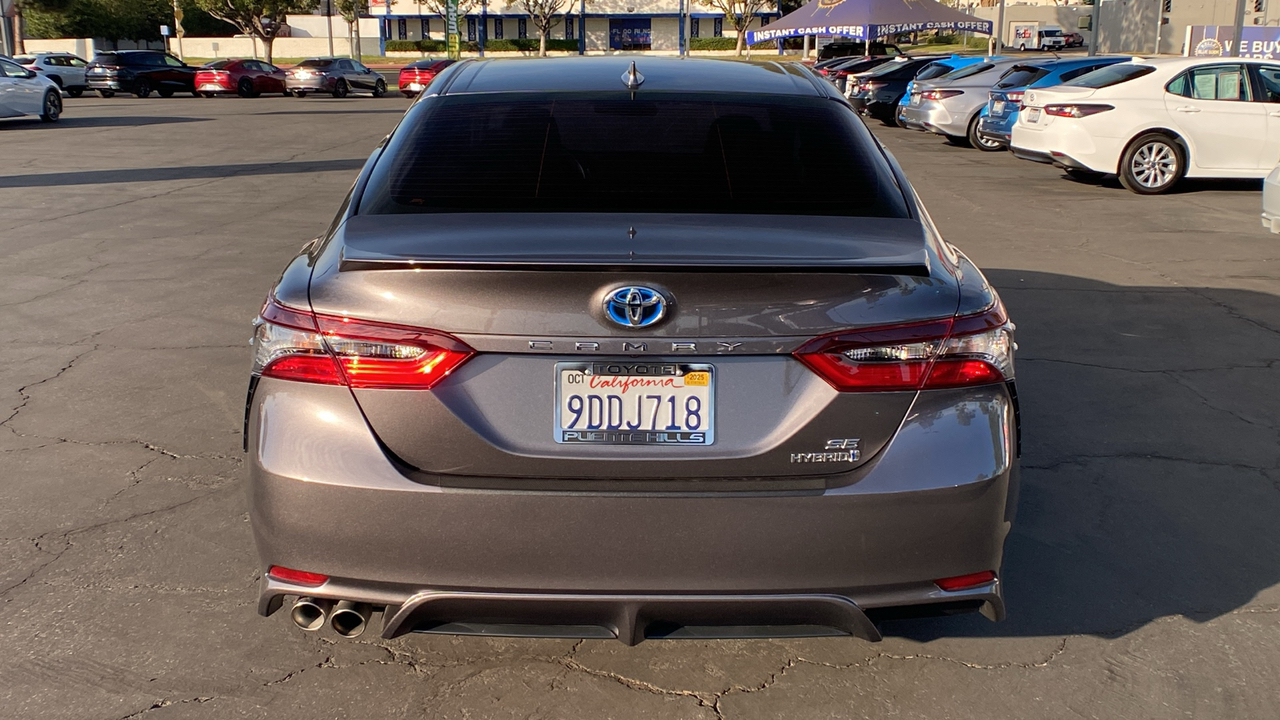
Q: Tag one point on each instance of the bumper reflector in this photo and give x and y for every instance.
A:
(962, 582)
(297, 577)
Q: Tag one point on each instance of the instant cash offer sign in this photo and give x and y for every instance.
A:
(869, 19)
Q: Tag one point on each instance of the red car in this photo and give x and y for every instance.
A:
(246, 78)
(415, 77)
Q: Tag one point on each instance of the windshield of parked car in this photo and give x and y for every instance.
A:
(315, 63)
(1020, 75)
(219, 64)
(1111, 75)
(967, 71)
(1051, 33)
(610, 152)
(933, 70)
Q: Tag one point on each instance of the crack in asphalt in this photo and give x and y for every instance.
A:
(198, 700)
(26, 398)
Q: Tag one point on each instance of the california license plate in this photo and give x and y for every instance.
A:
(210, 86)
(635, 403)
(1033, 115)
(915, 98)
(997, 107)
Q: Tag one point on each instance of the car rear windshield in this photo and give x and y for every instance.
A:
(315, 63)
(1021, 75)
(654, 153)
(1111, 75)
(219, 64)
(24, 59)
(933, 70)
(969, 71)
(107, 59)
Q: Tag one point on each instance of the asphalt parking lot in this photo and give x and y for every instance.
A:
(137, 239)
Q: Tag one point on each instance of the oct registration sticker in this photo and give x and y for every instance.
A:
(635, 403)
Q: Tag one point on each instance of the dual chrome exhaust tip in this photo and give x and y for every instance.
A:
(348, 619)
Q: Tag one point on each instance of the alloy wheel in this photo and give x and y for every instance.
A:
(1154, 165)
(52, 107)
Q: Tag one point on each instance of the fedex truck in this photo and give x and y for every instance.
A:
(1034, 36)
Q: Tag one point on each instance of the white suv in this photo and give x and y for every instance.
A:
(1153, 122)
(64, 69)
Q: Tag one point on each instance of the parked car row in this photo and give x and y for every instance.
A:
(1150, 122)
(142, 72)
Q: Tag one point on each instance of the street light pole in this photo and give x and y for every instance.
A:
(1095, 34)
(1235, 44)
(999, 40)
(582, 27)
(328, 16)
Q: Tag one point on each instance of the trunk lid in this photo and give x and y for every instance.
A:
(527, 292)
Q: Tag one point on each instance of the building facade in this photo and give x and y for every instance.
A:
(610, 25)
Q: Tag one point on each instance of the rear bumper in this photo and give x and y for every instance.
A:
(1271, 201)
(937, 502)
(323, 84)
(117, 84)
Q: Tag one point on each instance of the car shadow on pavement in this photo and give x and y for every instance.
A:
(320, 111)
(92, 122)
(1150, 481)
(193, 172)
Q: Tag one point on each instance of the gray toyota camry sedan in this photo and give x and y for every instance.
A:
(604, 350)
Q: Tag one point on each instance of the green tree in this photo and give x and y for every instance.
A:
(543, 14)
(739, 14)
(351, 11)
(262, 19)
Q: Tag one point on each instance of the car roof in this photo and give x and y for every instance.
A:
(1178, 63)
(604, 73)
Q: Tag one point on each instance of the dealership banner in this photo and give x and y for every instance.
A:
(1259, 41)
(869, 19)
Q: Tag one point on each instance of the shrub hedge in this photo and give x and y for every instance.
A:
(503, 45)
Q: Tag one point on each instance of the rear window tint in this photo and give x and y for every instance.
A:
(1111, 75)
(315, 63)
(1021, 75)
(608, 152)
(24, 60)
(219, 64)
(107, 59)
(933, 70)
(968, 71)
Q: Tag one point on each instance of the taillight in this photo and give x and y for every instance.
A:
(963, 582)
(294, 344)
(940, 94)
(874, 86)
(1076, 110)
(297, 577)
(955, 352)
(1013, 97)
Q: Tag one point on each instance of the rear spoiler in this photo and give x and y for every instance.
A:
(670, 266)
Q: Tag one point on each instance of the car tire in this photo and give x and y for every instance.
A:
(51, 110)
(75, 92)
(957, 140)
(106, 93)
(1022, 47)
(245, 88)
(300, 93)
(407, 94)
(206, 95)
(977, 141)
(340, 88)
(165, 93)
(1152, 164)
(380, 88)
(142, 88)
(1082, 175)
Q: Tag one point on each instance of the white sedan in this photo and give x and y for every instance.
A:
(1154, 122)
(23, 92)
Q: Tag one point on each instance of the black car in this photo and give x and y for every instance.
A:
(879, 91)
(849, 48)
(840, 72)
(139, 72)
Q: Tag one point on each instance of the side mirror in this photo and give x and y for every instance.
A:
(31, 74)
